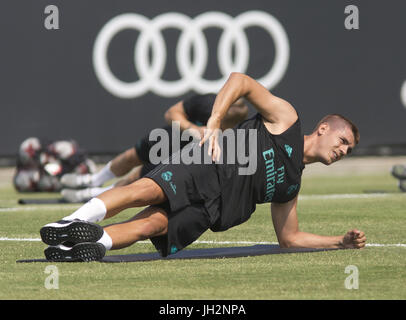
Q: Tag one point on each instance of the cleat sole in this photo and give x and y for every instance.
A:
(81, 252)
(74, 232)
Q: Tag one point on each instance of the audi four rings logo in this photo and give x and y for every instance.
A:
(191, 36)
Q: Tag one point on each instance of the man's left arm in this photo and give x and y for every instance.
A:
(284, 217)
(177, 113)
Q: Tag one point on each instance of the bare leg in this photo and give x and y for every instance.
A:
(140, 193)
(150, 222)
(133, 176)
(124, 162)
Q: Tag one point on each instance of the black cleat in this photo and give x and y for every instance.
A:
(76, 231)
(81, 252)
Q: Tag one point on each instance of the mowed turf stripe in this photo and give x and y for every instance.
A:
(215, 242)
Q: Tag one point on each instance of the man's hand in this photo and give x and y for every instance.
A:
(211, 134)
(354, 239)
(196, 131)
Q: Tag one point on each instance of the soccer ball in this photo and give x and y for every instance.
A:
(28, 151)
(26, 180)
(63, 149)
(49, 183)
(88, 166)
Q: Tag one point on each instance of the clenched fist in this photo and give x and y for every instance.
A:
(354, 239)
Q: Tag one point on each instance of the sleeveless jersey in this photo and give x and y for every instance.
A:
(277, 178)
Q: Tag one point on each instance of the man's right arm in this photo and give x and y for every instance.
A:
(279, 113)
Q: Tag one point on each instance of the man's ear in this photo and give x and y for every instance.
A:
(323, 128)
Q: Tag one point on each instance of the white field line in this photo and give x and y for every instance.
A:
(41, 208)
(342, 196)
(212, 242)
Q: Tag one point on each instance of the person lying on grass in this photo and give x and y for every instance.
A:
(184, 200)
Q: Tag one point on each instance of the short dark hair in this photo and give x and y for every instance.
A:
(331, 117)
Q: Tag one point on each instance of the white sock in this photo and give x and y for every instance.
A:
(105, 174)
(106, 241)
(92, 211)
(94, 192)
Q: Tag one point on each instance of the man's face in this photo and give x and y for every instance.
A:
(335, 142)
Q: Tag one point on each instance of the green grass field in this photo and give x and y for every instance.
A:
(318, 275)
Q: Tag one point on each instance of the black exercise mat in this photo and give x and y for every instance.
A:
(211, 253)
(43, 201)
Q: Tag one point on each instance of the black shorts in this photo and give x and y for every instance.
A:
(142, 148)
(147, 167)
(144, 145)
(193, 205)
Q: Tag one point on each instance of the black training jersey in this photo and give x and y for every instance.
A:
(277, 178)
(198, 108)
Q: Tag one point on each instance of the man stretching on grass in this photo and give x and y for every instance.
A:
(183, 201)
